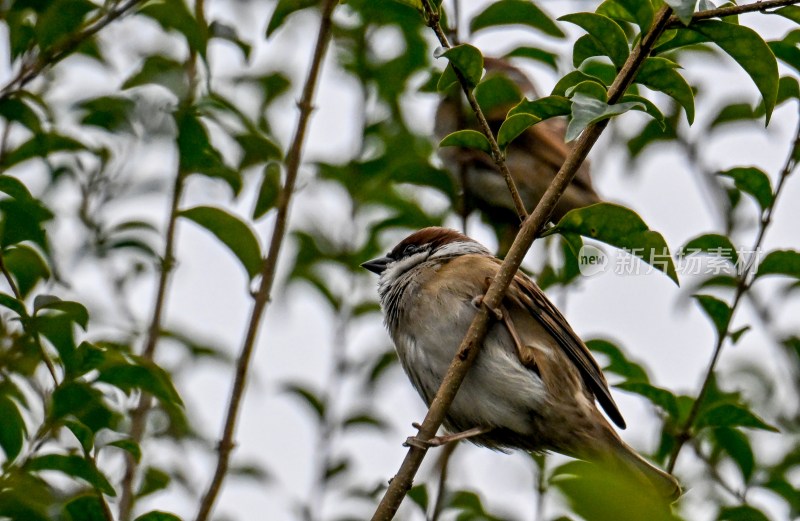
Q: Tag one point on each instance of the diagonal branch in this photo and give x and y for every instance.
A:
(468, 350)
(46, 58)
(497, 154)
(743, 286)
(262, 296)
(733, 10)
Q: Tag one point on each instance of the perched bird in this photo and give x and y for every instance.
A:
(534, 383)
(533, 158)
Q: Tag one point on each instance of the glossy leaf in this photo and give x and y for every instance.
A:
(741, 513)
(718, 311)
(7, 301)
(752, 181)
(750, 51)
(572, 79)
(607, 34)
(641, 12)
(129, 446)
(160, 70)
(512, 127)
(197, 155)
(75, 311)
(588, 109)
(467, 139)
(174, 15)
(737, 446)
(232, 232)
(659, 397)
(660, 74)
(780, 262)
(543, 108)
(515, 12)
(310, 397)
(622, 228)
(419, 495)
(154, 480)
(468, 60)
(618, 362)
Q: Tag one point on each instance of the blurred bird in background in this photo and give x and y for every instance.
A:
(533, 158)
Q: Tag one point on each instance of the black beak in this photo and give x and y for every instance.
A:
(377, 265)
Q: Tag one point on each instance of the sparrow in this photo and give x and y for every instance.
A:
(533, 158)
(534, 384)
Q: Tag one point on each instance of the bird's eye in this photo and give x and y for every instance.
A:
(409, 250)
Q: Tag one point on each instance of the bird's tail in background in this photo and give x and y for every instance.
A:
(665, 484)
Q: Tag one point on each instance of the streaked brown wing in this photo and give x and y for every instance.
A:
(540, 307)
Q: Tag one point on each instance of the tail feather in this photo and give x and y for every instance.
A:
(665, 484)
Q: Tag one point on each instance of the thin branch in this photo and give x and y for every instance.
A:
(468, 350)
(497, 155)
(269, 265)
(140, 414)
(733, 10)
(685, 433)
(445, 457)
(45, 59)
(9, 279)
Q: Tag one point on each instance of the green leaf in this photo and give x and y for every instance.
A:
(752, 181)
(82, 433)
(174, 15)
(129, 446)
(641, 12)
(310, 397)
(496, 92)
(620, 227)
(160, 70)
(75, 311)
(660, 74)
(712, 244)
(750, 51)
(269, 191)
(157, 515)
(467, 139)
(365, 420)
(7, 301)
(659, 397)
(74, 466)
(607, 35)
(85, 508)
(468, 60)
(12, 429)
(645, 105)
(780, 262)
(232, 232)
(512, 127)
(60, 19)
(515, 12)
(257, 149)
(618, 362)
(732, 415)
(154, 480)
(144, 375)
(283, 9)
(684, 9)
(543, 108)
(41, 145)
(587, 109)
(14, 109)
(737, 445)
(197, 154)
(741, 513)
(786, 52)
(718, 311)
(732, 113)
(534, 53)
(112, 113)
(419, 495)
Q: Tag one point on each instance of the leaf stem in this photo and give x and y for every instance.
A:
(744, 283)
(468, 350)
(497, 155)
(262, 296)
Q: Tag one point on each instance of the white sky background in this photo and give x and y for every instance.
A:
(648, 315)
